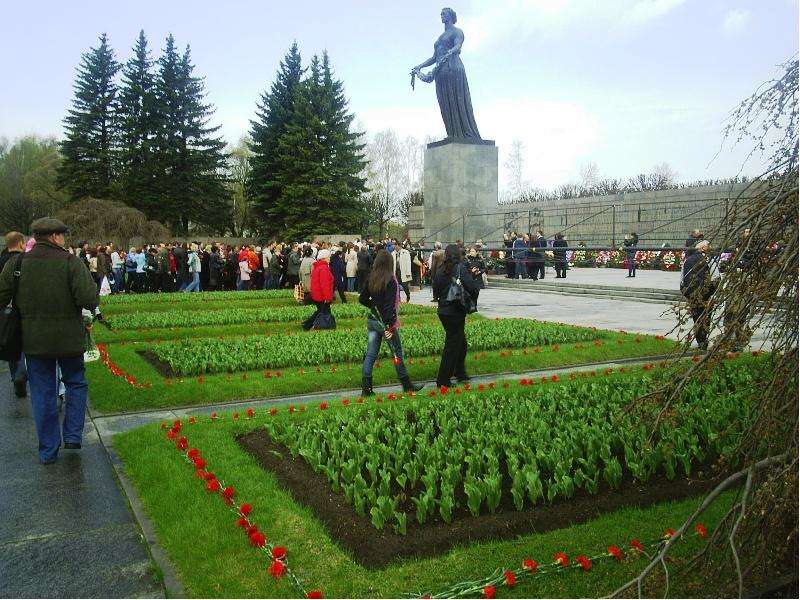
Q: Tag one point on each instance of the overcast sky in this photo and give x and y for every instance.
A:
(626, 84)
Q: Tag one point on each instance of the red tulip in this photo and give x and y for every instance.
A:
(396, 361)
(245, 509)
(615, 552)
(193, 453)
(669, 533)
(214, 416)
(391, 397)
(510, 578)
(489, 591)
(242, 522)
(277, 569)
(491, 385)
(258, 539)
(236, 416)
(182, 443)
(443, 390)
(171, 434)
(323, 406)
(273, 411)
(250, 413)
(481, 387)
(279, 553)
(530, 565)
(314, 594)
(701, 530)
(554, 378)
(637, 545)
(584, 562)
(561, 559)
(199, 463)
(346, 402)
(228, 492)
(213, 486)
(291, 409)
(192, 420)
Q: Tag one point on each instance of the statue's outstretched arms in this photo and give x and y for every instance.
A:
(427, 63)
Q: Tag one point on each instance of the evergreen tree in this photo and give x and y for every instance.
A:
(273, 111)
(321, 158)
(88, 166)
(138, 123)
(191, 159)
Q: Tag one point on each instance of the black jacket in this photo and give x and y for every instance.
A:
(696, 284)
(441, 284)
(560, 256)
(364, 260)
(385, 301)
(539, 243)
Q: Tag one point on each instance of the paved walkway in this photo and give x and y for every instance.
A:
(65, 529)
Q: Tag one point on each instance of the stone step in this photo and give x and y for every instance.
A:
(633, 295)
(571, 284)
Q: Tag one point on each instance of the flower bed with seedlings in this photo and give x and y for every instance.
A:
(238, 316)
(192, 297)
(409, 478)
(198, 356)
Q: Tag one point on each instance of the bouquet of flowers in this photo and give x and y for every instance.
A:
(91, 352)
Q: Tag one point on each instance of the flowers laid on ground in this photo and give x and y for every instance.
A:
(117, 371)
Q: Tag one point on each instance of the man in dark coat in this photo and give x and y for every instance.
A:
(182, 266)
(560, 256)
(697, 287)
(54, 286)
(363, 264)
(537, 259)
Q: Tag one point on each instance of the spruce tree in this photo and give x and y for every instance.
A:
(138, 123)
(273, 111)
(88, 165)
(191, 159)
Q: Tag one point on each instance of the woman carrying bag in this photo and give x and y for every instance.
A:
(453, 272)
(381, 295)
(321, 289)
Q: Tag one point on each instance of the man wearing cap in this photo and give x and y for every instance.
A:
(54, 286)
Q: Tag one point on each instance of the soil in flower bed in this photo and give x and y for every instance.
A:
(375, 548)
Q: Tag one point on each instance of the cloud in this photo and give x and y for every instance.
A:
(735, 21)
(487, 24)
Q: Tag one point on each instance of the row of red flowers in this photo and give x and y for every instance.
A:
(277, 555)
(117, 371)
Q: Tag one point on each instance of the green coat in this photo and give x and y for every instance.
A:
(54, 286)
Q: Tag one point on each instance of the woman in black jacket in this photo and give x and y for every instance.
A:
(381, 292)
(630, 252)
(452, 314)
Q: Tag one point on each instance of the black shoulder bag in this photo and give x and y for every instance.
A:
(458, 295)
(11, 321)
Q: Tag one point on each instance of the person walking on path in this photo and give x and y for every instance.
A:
(53, 288)
(381, 294)
(537, 259)
(697, 287)
(15, 246)
(321, 290)
(560, 256)
(402, 261)
(452, 315)
(631, 240)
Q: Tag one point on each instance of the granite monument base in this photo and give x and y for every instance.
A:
(460, 179)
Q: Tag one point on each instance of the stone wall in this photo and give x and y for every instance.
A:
(658, 217)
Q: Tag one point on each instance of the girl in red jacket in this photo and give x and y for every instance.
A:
(321, 293)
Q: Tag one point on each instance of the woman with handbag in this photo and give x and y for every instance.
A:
(454, 279)
(381, 295)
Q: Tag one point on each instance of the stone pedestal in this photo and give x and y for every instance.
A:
(460, 179)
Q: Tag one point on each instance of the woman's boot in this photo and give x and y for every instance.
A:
(410, 386)
(366, 386)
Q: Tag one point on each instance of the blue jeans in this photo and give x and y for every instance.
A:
(374, 338)
(194, 286)
(119, 283)
(44, 399)
(351, 284)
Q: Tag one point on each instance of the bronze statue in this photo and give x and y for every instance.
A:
(452, 90)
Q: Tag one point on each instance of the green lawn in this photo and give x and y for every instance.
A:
(213, 557)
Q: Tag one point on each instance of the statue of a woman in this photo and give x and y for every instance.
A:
(452, 90)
